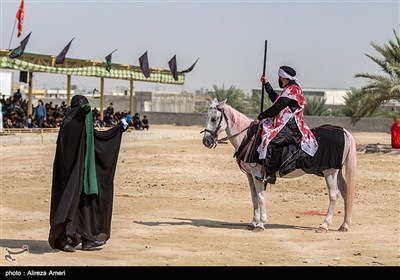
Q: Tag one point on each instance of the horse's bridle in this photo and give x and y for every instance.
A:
(214, 134)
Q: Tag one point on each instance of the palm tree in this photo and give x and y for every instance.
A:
(352, 101)
(315, 107)
(380, 88)
(233, 95)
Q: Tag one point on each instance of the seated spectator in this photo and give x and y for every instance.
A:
(136, 122)
(129, 117)
(29, 122)
(110, 109)
(145, 123)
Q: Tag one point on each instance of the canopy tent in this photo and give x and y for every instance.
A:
(90, 68)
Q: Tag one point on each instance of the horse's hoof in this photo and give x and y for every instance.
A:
(250, 227)
(343, 229)
(258, 229)
(321, 230)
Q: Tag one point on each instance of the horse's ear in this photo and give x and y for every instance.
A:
(222, 104)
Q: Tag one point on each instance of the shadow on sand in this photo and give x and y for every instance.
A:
(37, 247)
(218, 224)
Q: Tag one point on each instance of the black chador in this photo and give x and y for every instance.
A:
(83, 180)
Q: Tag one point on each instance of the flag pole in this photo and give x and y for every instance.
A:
(12, 34)
(262, 85)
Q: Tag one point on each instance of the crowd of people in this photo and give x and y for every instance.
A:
(49, 115)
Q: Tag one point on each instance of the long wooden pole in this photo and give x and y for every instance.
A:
(30, 93)
(68, 89)
(131, 106)
(12, 34)
(101, 98)
(262, 85)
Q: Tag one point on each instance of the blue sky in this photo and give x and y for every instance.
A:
(325, 41)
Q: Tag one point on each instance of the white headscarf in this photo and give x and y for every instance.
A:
(283, 74)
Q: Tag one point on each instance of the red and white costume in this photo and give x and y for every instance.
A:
(272, 126)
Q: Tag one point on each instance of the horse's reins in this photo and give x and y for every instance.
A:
(223, 140)
(214, 134)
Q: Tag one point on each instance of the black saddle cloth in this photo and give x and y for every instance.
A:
(329, 154)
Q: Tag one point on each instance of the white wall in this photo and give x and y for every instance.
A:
(335, 97)
(5, 83)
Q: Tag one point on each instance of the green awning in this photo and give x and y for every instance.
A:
(118, 71)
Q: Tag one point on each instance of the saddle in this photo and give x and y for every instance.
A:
(329, 154)
(247, 151)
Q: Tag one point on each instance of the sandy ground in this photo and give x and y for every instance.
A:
(178, 203)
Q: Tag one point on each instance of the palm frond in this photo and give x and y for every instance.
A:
(380, 88)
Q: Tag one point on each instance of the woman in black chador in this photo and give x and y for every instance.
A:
(83, 180)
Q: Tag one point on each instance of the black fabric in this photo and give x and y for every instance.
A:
(289, 70)
(330, 151)
(289, 134)
(246, 144)
(78, 100)
(271, 92)
(287, 143)
(278, 106)
(329, 154)
(74, 214)
(273, 161)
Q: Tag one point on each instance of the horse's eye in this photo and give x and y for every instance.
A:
(213, 119)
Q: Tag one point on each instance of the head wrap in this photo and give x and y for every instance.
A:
(288, 73)
(78, 100)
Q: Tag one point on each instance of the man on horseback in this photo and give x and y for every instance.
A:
(284, 124)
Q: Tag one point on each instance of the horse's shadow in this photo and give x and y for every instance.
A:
(38, 247)
(218, 224)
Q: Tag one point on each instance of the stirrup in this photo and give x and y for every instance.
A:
(268, 179)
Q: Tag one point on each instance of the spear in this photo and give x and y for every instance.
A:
(262, 85)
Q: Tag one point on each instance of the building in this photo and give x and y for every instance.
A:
(333, 97)
(156, 101)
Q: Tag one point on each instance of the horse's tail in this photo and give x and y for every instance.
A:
(351, 164)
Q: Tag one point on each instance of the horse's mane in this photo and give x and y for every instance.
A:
(237, 117)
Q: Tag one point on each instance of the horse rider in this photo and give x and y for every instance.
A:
(283, 123)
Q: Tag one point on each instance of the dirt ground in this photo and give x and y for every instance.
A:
(178, 203)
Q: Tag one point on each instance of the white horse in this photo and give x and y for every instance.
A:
(221, 116)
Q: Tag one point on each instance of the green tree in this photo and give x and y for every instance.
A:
(384, 87)
(233, 95)
(352, 101)
(316, 107)
(256, 102)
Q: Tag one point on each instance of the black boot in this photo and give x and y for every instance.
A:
(89, 244)
(269, 173)
(271, 167)
(269, 176)
(62, 244)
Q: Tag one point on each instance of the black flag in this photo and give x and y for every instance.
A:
(23, 76)
(173, 67)
(144, 65)
(108, 61)
(190, 68)
(17, 52)
(61, 56)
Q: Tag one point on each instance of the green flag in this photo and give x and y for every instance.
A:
(108, 61)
